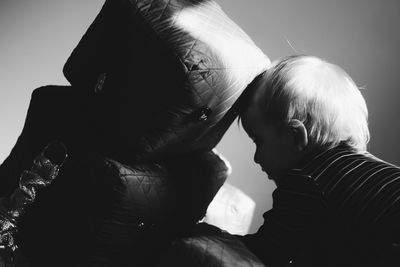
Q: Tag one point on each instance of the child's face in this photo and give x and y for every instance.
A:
(275, 146)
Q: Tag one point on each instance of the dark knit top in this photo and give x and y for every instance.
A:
(340, 207)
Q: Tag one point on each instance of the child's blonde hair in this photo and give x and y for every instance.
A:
(319, 94)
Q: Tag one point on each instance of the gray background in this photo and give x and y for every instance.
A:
(362, 36)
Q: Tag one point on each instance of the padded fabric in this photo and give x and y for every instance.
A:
(54, 113)
(118, 215)
(162, 75)
(153, 88)
(209, 247)
(98, 210)
(151, 205)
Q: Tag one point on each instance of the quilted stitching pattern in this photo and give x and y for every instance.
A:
(199, 24)
(170, 197)
(210, 249)
(145, 191)
(187, 53)
(137, 210)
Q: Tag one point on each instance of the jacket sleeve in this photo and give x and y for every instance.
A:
(50, 116)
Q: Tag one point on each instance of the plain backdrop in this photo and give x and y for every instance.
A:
(362, 36)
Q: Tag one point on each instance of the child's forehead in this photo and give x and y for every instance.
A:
(252, 117)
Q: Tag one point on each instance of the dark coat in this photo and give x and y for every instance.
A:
(153, 90)
(99, 210)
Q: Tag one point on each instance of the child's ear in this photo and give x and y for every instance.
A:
(300, 134)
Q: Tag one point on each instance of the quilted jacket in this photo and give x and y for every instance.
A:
(153, 89)
(162, 75)
(99, 211)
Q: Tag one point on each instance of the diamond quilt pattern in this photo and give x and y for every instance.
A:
(209, 247)
(149, 205)
(160, 193)
(153, 89)
(151, 65)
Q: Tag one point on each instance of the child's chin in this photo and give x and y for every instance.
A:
(273, 178)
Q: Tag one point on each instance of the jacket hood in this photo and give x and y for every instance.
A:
(160, 76)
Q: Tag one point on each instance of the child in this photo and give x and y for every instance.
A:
(335, 204)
